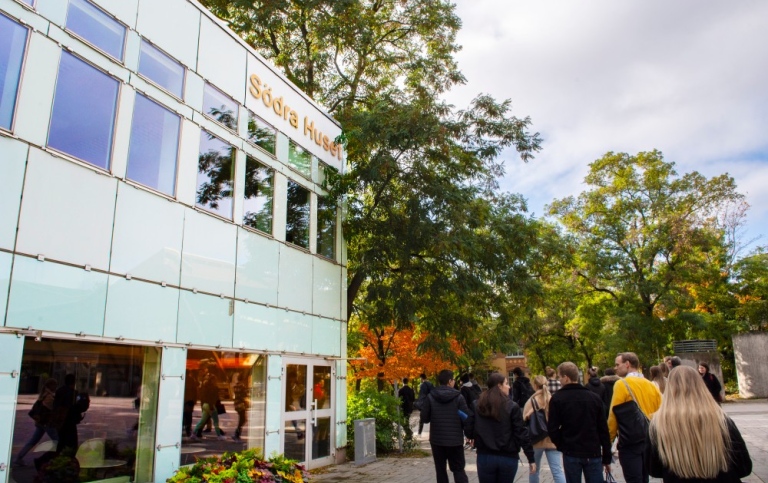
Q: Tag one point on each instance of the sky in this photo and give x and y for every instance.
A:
(686, 77)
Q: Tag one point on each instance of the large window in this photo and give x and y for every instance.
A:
(154, 146)
(300, 159)
(161, 69)
(13, 40)
(219, 107)
(84, 106)
(215, 175)
(99, 29)
(261, 134)
(326, 227)
(100, 416)
(259, 189)
(297, 215)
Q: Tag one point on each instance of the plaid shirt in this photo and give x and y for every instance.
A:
(553, 385)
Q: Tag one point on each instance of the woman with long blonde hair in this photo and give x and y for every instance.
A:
(540, 400)
(692, 438)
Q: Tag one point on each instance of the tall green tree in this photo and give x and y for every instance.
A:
(645, 237)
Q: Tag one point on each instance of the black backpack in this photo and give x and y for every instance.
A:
(526, 391)
(424, 390)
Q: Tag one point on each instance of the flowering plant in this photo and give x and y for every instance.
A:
(242, 467)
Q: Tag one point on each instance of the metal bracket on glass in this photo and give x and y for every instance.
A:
(3, 466)
(168, 377)
(273, 432)
(344, 421)
(175, 445)
(14, 374)
(269, 378)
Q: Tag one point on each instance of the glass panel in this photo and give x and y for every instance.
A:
(154, 146)
(233, 382)
(321, 386)
(321, 438)
(152, 319)
(261, 134)
(295, 387)
(13, 40)
(102, 400)
(204, 319)
(12, 170)
(215, 175)
(326, 227)
(259, 190)
(294, 442)
(83, 118)
(209, 254)
(31, 3)
(219, 107)
(161, 69)
(295, 283)
(257, 268)
(325, 173)
(297, 215)
(95, 26)
(300, 159)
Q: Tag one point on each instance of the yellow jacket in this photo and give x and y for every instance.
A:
(647, 394)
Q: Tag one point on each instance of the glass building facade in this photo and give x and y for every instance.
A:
(172, 271)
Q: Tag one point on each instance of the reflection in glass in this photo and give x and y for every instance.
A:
(325, 174)
(161, 69)
(13, 40)
(321, 387)
(321, 438)
(215, 175)
(219, 107)
(83, 117)
(31, 3)
(295, 387)
(259, 190)
(239, 382)
(95, 26)
(326, 227)
(297, 215)
(294, 442)
(105, 416)
(154, 146)
(300, 159)
(261, 134)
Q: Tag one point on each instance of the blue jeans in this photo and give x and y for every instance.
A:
(555, 460)
(40, 431)
(591, 467)
(493, 468)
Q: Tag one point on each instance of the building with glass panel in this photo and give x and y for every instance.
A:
(172, 272)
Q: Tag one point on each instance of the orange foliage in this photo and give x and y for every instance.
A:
(393, 353)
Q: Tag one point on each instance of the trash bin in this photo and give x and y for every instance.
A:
(365, 441)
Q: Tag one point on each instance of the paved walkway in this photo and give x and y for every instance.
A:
(750, 416)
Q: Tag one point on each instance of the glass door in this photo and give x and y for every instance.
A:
(308, 411)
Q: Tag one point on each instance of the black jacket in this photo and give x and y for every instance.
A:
(521, 390)
(407, 397)
(598, 388)
(740, 462)
(441, 410)
(608, 382)
(710, 380)
(577, 423)
(504, 437)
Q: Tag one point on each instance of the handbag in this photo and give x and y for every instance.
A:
(220, 409)
(40, 413)
(633, 423)
(609, 478)
(537, 424)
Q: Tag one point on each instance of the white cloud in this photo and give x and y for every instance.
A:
(688, 77)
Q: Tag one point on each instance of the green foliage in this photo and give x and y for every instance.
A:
(242, 467)
(383, 407)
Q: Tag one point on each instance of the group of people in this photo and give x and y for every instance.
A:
(682, 435)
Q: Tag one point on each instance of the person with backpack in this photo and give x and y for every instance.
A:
(443, 408)
(540, 402)
(424, 389)
(521, 388)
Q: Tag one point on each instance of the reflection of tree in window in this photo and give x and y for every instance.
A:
(215, 175)
(224, 116)
(300, 159)
(261, 134)
(326, 227)
(259, 189)
(297, 217)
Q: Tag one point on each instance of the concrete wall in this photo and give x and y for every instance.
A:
(712, 358)
(752, 363)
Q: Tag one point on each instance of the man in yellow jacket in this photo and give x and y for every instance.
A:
(648, 397)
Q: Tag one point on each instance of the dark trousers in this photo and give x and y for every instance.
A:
(493, 468)
(633, 465)
(574, 467)
(186, 418)
(454, 456)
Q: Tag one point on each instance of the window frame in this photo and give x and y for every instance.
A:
(273, 172)
(22, 68)
(234, 129)
(155, 83)
(317, 230)
(178, 149)
(309, 217)
(78, 36)
(247, 137)
(48, 146)
(33, 6)
(308, 175)
(231, 217)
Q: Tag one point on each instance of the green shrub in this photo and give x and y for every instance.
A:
(244, 467)
(383, 407)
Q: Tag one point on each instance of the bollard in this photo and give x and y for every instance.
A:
(365, 441)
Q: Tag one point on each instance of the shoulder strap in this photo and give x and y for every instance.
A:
(535, 404)
(632, 394)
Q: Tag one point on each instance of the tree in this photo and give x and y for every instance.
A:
(645, 236)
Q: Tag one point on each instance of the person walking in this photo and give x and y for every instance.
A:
(208, 395)
(692, 439)
(553, 383)
(711, 381)
(609, 379)
(42, 420)
(442, 409)
(594, 384)
(521, 388)
(424, 389)
(497, 428)
(540, 401)
(578, 428)
(632, 387)
(407, 398)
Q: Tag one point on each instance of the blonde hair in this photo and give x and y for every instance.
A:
(540, 384)
(657, 376)
(690, 430)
